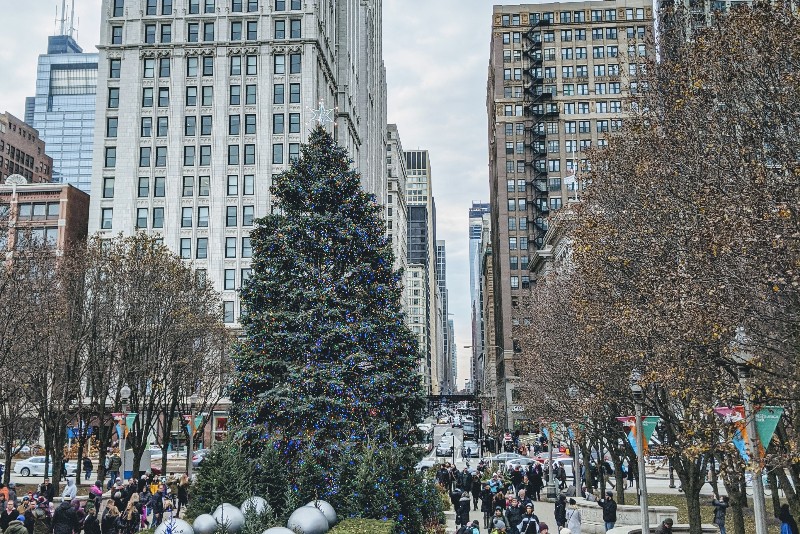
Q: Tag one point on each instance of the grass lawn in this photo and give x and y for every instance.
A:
(679, 501)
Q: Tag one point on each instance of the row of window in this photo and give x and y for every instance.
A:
(165, 7)
(516, 263)
(201, 248)
(36, 211)
(515, 280)
(196, 32)
(158, 158)
(553, 165)
(570, 17)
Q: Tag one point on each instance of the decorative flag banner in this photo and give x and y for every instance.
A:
(735, 416)
(649, 423)
(767, 419)
(198, 420)
(130, 418)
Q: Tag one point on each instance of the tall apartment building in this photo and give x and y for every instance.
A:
(22, 151)
(201, 102)
(396, 209)
(421, 286)
(447, 382)
(559, 77)
(63, 108)
(476, 213)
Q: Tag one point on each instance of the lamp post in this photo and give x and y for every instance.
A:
(638, 399)
(125, 395)
(551, 477)
(192, 406)
(742, 358)
(576, 464)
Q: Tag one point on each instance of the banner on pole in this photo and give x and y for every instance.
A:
(649, 424)
(767, 419)
(735, 416)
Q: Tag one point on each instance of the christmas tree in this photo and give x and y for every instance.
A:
(327, 360)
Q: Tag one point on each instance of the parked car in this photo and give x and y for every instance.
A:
(444, 449)
(503, 457)
(424, 465)
(474, 449)
(523, 462)
(34, 466)
(469, 430)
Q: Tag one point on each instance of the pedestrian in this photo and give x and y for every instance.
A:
(8, 515)
(513, 516)
(17, 526)
(529, 524)
(543, 528)
(499, 500)
(41, 521)
(65, 520)
(497, 521)
(12, 493)
(562, 477)
(630, 475)
(70, 491)
(720, 508)
(91, 525)
(788, 524)
(183, 492)
(108, 523)
(462, 510)
(574, 517)
(88, 467)
(560, 511)
(666, 527)
(609, 507)
(114, 463)
(475, 490)
(156, 504)
(486, 505)
(537, 482)
(129, 520)
(47, 490)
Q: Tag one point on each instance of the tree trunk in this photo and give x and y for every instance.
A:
(81, 445)
(791, 495)
(772, 478)
(732, 480)
(8, 449)
(692, 475)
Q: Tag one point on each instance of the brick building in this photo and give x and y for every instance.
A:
(22, 151)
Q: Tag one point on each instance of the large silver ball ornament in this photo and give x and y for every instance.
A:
(308, 520)
(205, 524)
(229, 516)
(278, 530)
(326, 509)
(174, 526)
(254, 505)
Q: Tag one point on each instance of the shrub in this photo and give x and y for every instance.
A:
(364, 526)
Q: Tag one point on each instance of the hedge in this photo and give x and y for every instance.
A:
(364, 526)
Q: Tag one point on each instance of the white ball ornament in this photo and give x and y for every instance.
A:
(308, 520)
(254, 504)
(174, 526)
(230, 517)
(278, 530)
(205, 524)
(327, 510)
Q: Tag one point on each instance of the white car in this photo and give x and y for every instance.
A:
(504, 457)
(522, 462)
(34, 466)
(424, 465)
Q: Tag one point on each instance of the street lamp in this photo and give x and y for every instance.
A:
(742, 359)
(573, 394)
(192, 405)
(638, 399)
(125, 395)
(551, 478)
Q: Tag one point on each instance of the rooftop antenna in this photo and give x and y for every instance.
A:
(63, 19)
(72, 20)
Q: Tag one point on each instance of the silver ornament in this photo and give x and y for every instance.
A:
(254, 504)
(229, 516)
(174, 526)
(205, 524)
(278, 530)
(326, 509)
(308, 520)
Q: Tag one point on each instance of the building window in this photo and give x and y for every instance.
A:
(230, 247)
(163, 97)
(236, 66)
(277, 153)
(149, 33)
(116, 35)
(141, 218)
(208, 31)
(108, 187)
(236, 31)
(245, 275)
(250, 95)
(249, 124)
(202, 217)
(252, 30)
(106, 218)
(512, 243)
(280, 29)
(233, 154)
(205, 155)
(277, 122)
(188, 186)
(113, 97)
(159, 186)
(247, 249)
(295, 64)
(248, 213)
(229, 279)
(236, 6)
(204, 186)
(187, 216)
(114, 67)
(515, 282)
(248, 186)
(111, 156)
(251, 66)
(158, 217)
(207, 95)
(208, 66)
(166, 7)
(294, 123)
(186, 248)
(233, 185)
(166, 33)
(193, 32)
(190, 126)
(188, 156)
(147, 97)
(231, 216)
(201, 250)
(111, 126)
(227, 311)
(250, 154)
(294, 29)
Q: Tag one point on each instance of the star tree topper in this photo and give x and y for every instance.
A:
(322, 115)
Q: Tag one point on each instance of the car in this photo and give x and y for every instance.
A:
(469, 430)
(424, 465)
(457, 422)
(34, 466)
(522, 462)
(474, 449)
(443, 449)
(198, 456)
(447, 434)
(503, 457)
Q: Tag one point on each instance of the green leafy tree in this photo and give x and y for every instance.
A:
(328, 358)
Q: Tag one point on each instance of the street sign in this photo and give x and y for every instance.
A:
(517, 408)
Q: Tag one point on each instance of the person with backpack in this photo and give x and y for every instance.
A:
(574, 517)
(560, 511)
(486, 505)
(469, 528)
(462, 511)
(530, 522)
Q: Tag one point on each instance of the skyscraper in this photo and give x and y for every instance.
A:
(22, 151)
(201, 102)
(560, 75)
(476, 213)
(447, 382)
(396, 209)
(421, 286)
(63, 108)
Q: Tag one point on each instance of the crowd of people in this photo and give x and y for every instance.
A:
(125, 508)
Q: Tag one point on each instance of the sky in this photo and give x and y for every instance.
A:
(436, 55)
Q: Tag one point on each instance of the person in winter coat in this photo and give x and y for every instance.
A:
(513, 516)
(529, 523)
(573, 517)
(47, 490)
(666, 527)
(788, 524)
(129, 521)
(183, 492)
(108, 523)
(462, 510)
(65, 519)
(156, 504)
(76, 504)
(17, 526)
(70, 491)
(720, 507)
(499, 500)
(91, 525)
(88, 467)
(41, 521)
(475, 490)
(609, 507)
(12, 493)
(560, 511)
(8, 515)
(486, 505)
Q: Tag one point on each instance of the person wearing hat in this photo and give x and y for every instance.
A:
(17, 526)
(574, 517)
(12, 493)
(497, 521)
(560, 511)
(609, 507)
(666, 527)
(529, 523)
(543, 528)
(514, 515)
(462, 510)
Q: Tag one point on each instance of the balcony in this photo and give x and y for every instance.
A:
(540, 187)
(541, 225)
(537, 150)
(541, 207)
(536, 77)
